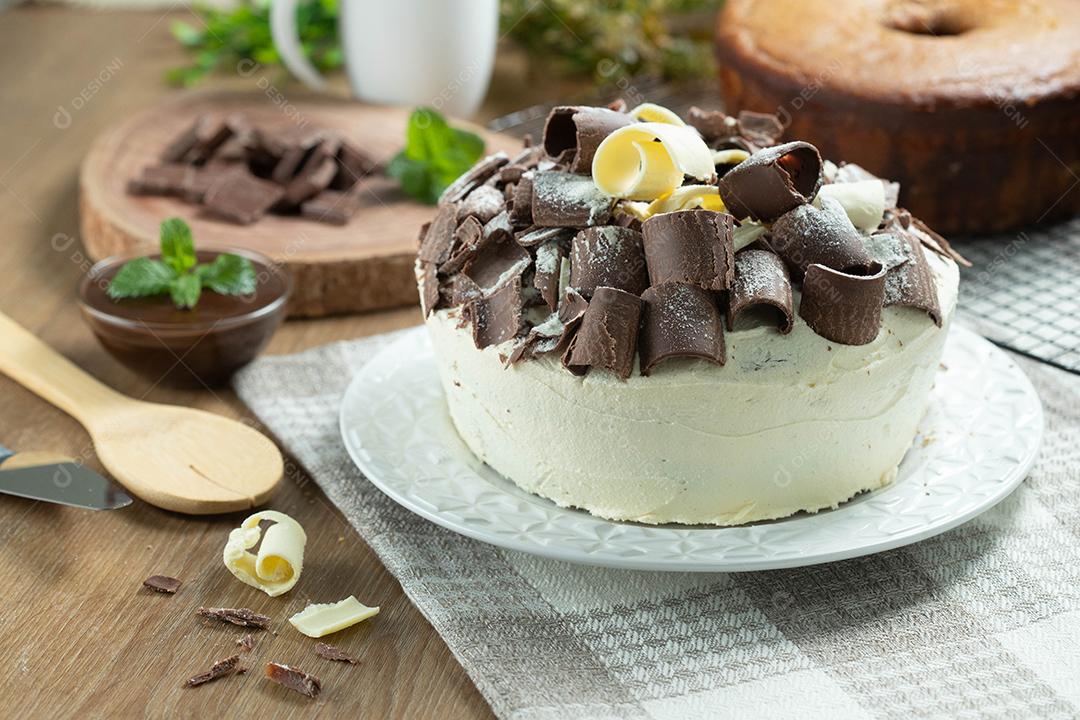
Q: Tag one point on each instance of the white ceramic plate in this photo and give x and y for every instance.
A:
(976, 444)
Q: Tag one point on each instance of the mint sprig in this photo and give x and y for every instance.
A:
(179, 274)
(435, 155)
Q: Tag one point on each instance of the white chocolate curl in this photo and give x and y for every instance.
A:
(688, 197)
(276, 567)
(646, 160)
(650, 112)
(863, 201)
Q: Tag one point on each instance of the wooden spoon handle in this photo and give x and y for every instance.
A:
(50, 375)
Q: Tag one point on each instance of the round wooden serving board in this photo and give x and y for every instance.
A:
(363, 265)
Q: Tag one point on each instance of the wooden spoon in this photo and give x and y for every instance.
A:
(177, 458)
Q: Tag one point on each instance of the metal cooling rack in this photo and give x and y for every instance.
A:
(1023, 291)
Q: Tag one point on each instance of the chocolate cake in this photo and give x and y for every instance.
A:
(973, 105)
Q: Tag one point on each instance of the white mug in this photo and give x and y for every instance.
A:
(437, 53)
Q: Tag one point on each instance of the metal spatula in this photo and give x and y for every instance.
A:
(57, 479)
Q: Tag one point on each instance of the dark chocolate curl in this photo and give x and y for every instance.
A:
(483, 203)
(535, 237)
(763, 129)
(498, 317)
(690, 246)
(608, 334)
(561, 199)
(680, 320)
(521, 202)
(608, 256)
(436, 245)
(772, 181)
(761, 279)
(466, 243)
(572, 134)
(548, 266)
(555, 334)
(841, 307)
(429, 288)
(474, 178)
(497, 264)
(712, 124)
(806, 236)
(909, 281)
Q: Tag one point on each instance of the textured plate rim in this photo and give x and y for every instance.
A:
(958, 334)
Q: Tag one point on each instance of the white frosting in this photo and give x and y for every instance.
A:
(791, 422)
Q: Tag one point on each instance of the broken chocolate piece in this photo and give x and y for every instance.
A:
(167, 179)
(608, 256)
(242, 198)
(162, 584)
(762, 129)
(309, 182)
(483, 203)
(549, 257)
(842, 307)
(237, 616)
(221, 668)
(761, 280)
(437, 244)
(332, 207)
(690, 246)
(608, 334)
(210, 133)
(429, 288)
(554, 334)
(521, 202)
(572, 134)
(808, 235)
(294, 679)
(200, 179)
(680, 320)
(772, 181)
(909, 281)
(712, 124)
(535, 237)
(332, 653)
(247, 642)
(353, 165)
(497, 264)
(561, 199)
(474, 178)
(497, 317)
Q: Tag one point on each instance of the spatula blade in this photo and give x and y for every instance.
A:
(66, 484)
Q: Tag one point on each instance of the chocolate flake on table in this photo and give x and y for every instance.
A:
(608, 334)
(909, 281)
(294, 679)
(549, 257)
(333, 207)
(761, 281)
(572, 134)
(772, 181)
(608, 256)
(332, 653)
(561, 199)
(162, 584)
(554, 334)
(247, 642)
(242, 198)
(842, 307)
(680, 320)
(474, 178)
(237, 616)
(223, 667)
(483, 203)
(808, 235)
(690, 246)
(497, 317)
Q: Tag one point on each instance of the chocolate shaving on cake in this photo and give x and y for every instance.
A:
(772, 181)
(572, 134)
(162, 584)
(763, 129)
(429, 288)
(521, 203)
(247, 642)
(462, 290)
(221, 668)
(761, 280)
(474, 178)
(680, 320)
(554, 334)
(242, 198)
(548, 270)
(437, 243)
(712, 124)
(294, 679)
(909, 281)
(497, 264)
(808, 235)
(497, 317)
(690, 246)
(332, 653)
(608, 256)
(841, 307)
(936, 242)
(561, 199)
(483, 203)
(236, 616)
(608, 334)
(466, 242)
(535, 237)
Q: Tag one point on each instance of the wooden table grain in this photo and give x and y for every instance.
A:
(79, 637)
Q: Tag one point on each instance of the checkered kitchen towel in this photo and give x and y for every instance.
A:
(983, 621)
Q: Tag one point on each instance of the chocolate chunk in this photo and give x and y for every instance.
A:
(176, 150)
(467, 243)
(561, 199)
(712, 124)
(535, 237)
(762, 129)
(241, 198)
(608, 256)
(437, 243)
(909, 281)
(237, 616)
(221, 668)
(572, 134)
(332, 207)
(353, 165)
(162, 584)
(548, 269)
(247, 642)
(499, 261)
(309, 182)
(512, 173)
(842, 307)
(608, 334)
(772, 181)
(690, 246)
(429, 288)
(199, 180)
(474, 178)
(210, 133)
(497, 317)
(462, 290)
(680, 320)
(332, 653)
(808, 235)
(554, 334)
(294, 679)
(521, 202)
(168, 179)
(761, 280)
(483, 203)
(297, 149)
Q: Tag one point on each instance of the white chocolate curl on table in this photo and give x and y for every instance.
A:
(863, 201)
(275, 567)
(649, 159)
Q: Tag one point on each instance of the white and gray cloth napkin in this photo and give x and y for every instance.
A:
(983, 621)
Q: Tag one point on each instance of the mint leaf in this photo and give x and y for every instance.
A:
(139, 278)
(185, 291)
(177, 245)
(228, 275)
(435, 155)
(415, 178)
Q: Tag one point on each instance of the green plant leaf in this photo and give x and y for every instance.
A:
(177, 245)
(435, 155)
(228, 275)
(140, 278)
(185, 291)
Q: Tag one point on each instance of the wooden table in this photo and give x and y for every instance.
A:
(78, 635)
